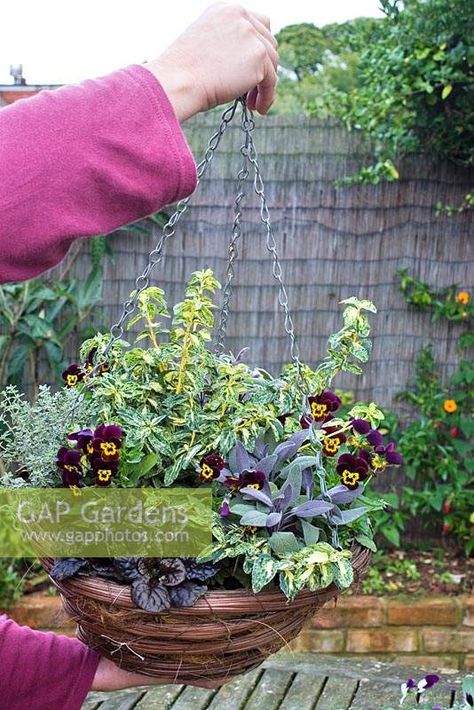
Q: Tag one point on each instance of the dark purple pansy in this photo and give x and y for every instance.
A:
(98, 463)
(232, 482)
(107, 442)
(391, 456)
(211, 466)
(68, 457)
(360, 426)
(69, 463)
(72, 375)
(283, 417)
(323, 404)
(82, 439)
(252, 479)
(104, 471)
(375, 438)
(332, 440)
(108, 432)
(352, 470)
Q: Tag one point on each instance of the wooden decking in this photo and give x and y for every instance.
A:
(298, 681)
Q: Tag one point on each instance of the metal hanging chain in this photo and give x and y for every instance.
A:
(155, 256)
(233, 250)
(277, 270)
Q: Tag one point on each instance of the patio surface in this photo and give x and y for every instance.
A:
(297, 681)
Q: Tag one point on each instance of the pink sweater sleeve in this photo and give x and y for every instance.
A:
(40, 671)
(83, 160)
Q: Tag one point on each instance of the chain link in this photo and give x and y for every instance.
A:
(155, 256)
(277, 270)
(233, 250)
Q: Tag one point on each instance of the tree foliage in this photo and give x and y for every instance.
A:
(407, 81)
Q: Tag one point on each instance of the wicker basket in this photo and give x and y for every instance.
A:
(224, 634)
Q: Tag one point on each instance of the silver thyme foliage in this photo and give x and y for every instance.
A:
(31, 434)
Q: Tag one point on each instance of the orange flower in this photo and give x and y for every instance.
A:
(450, 405)
(463, 297)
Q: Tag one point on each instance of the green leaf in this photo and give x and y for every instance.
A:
(392, 535)
(366, 541)
(263, 571)
(139, 470)
(254, 517)
(310, 532)
(284, 543)
(446, 91)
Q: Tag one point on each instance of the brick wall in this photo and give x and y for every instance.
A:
(432, 632)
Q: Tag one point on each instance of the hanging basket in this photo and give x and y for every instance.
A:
(224, 634)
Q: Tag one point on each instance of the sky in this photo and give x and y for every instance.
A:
(59, 41)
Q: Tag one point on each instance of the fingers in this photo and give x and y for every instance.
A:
(261, 97)
(262, 25)
(252, 99)
(266, 89)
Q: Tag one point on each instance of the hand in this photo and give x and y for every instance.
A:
(227, 52)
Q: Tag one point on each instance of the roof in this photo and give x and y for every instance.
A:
(9, 93)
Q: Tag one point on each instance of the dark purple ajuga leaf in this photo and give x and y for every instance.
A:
(186, 593)
(273, 519)
(469, 700)
(199, 572)
(67, 567)
(127, 568)
(103, 567)
(342, 494)
(253, 494)
(170, 571)
(239, 459)
(149, 595)
(307, 481)
(287, 449)
(312, 508)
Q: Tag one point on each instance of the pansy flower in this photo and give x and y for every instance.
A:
(352, 470)
(89, 363)
(382, 456)
(107, 441)
(83, 439)
(73, 375)
(361, 426)
(69, 462)
(252, 479)
(323, 404)
(375, 438)
(232, 482)
(211, 466)
(104, 471)
(333, 439)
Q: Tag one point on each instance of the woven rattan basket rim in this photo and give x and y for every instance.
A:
(104, 590)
